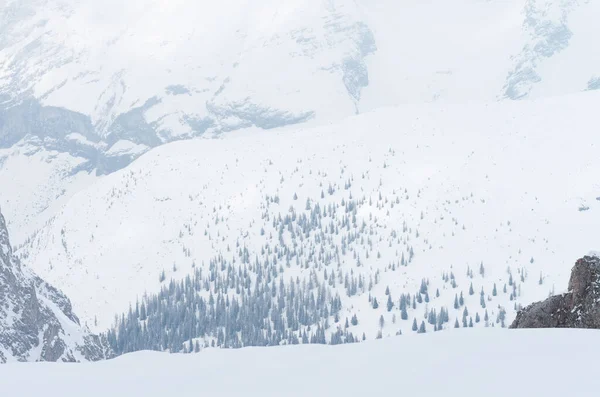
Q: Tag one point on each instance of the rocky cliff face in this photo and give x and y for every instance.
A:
(578, 308)
(36, 320)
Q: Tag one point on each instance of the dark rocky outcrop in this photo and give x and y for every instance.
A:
(578, 308)
(36, 320)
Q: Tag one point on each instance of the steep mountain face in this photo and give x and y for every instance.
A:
(578, 308)
(95, 85)
(36, 320)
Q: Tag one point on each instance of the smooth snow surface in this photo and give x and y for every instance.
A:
(36, 183)
(461, 363)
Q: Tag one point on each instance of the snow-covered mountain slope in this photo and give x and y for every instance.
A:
(36, 320)
(501, 197)
(97, 84)
(466, 362)
(37, 182)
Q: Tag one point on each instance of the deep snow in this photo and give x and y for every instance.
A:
(466, 363)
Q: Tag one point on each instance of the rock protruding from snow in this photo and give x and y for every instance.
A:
(36, 320)
(578, 308)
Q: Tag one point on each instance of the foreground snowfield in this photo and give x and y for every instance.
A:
(466, 363)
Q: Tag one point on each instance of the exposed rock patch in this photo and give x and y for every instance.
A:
(578, 308)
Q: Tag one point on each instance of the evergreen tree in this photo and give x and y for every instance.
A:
(419, 298)
(143, 315)
(404, 313)
(432, 317)
(423, 288)
(501, 317)
(375, 304)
